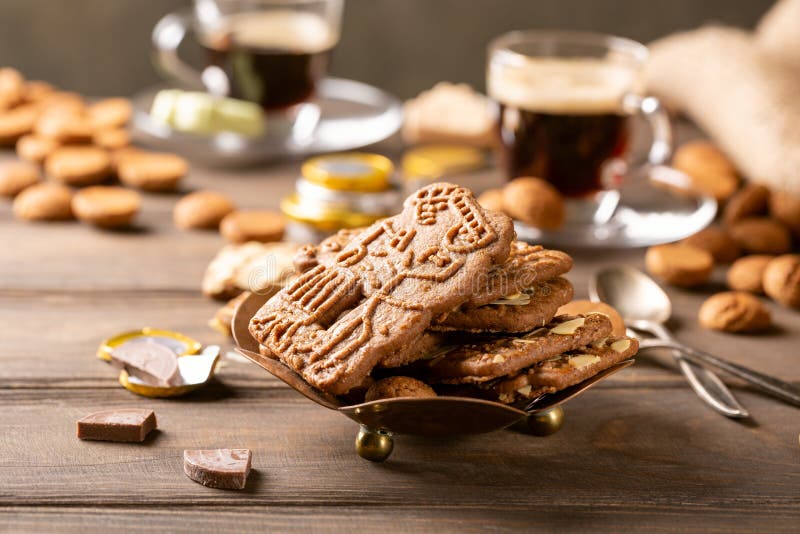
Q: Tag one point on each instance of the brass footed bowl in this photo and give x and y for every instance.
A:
(437, 416)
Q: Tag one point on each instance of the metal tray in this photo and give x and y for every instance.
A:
(437, 416)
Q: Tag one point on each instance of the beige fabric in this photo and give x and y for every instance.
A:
(778, 33)
(746, 102)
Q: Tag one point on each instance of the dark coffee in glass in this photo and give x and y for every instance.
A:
(572, 150)
(562, 119)
(274, 58)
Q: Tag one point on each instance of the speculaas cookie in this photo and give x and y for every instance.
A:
(334, 324)
(427, 346)
(565, 370)
(532, 307)
(393, 387)
(485, 360)
(526, 266)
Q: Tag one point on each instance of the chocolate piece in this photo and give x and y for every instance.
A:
(151, 362)
(334, 324)
(218, 468)
(128, 424)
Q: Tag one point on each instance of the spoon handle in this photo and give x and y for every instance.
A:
(708, 386)
(775, 387)
(705, 383)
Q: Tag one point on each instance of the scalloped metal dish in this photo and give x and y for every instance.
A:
(439, 416)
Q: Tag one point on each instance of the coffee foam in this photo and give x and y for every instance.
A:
(566, 86)
(280, 29)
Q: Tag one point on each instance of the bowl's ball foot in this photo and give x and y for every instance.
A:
(546, 422)
(374, 445)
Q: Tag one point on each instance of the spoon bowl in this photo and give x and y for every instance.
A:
(632, 293)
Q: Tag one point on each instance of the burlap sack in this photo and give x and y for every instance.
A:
(746, 101)
(778, 34)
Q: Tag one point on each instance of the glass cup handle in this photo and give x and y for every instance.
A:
(167, 36)
(658, 119)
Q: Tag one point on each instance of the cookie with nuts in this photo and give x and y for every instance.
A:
(565, 370)
(481, 360)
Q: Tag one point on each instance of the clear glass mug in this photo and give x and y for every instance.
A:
(272, 52)
(564, 102)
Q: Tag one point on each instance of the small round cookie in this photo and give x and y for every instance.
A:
(679, 264)
(394, 387)
(761, 235)
(716, 242)
(492, 199)
(110, 113)
(747, 272)
(535, 202)
(12, 87)
(65, 127)
(14, 123)
(201, 210)
(152, 171)
(734, 311)
(36, 90)
(16, 176)
(63, 102)
(584, 307)
(748, 201)
(106, 206)
(117, 155)
(785, 207)
(782, 280)
(34, 148)
(78, 165)
(44, 202)
(112, 139)
(243, 226)
(709, 169)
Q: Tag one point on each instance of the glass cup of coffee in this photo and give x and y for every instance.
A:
(272, 52)
(564, 106)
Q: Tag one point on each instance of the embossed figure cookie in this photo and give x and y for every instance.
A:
(526, 266)
(334, 323)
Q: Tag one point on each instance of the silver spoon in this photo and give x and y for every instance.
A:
(645, 306)
(635, 292)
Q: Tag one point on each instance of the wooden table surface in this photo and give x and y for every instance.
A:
(640, 451)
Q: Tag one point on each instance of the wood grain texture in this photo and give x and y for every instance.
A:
(639, 451)
(620, 448)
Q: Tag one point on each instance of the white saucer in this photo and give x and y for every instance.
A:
(646, 215)
(352, 115)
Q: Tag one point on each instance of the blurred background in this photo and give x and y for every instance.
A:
(102, 47)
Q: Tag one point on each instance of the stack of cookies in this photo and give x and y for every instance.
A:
(439, 298)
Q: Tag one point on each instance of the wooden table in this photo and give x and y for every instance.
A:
(639, 451)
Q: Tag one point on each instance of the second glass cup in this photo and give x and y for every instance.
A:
(272, 52)
(564, 105)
